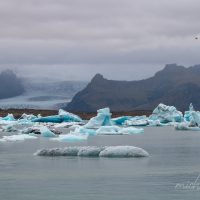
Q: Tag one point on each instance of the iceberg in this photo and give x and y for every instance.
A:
(45, 132)
(83, 131)
(132, 130)
(93, 151)
(9, 117)
(63, 116)
(123, 152)
(166, 114)
(185, 126)
(195, 118)
(14, 138)
(187, 115)
(120, 120)
(9, 128)
(103, 118)
(115, 130)
(70, 138)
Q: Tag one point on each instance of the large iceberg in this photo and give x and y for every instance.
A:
(166, 114)
(63, 116)
(92, 151)
(9, 117)
(103, 118)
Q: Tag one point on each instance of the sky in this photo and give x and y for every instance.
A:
(75, 39)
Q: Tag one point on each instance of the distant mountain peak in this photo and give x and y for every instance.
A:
(174, 85)
(97, 77)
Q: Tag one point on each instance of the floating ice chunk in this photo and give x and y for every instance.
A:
(136, 122)
(188, 114)
(92, 151)
(63, 116)
(9, 117)
(45, 132)
(120, 120)
(132, 130)
(123, 151)
(14, 138)
(185, 126)
(108, 130)
(69, 117)
(67, 124)
(28, 117)
(68, 151)
(195, 120)
(70, 138)
(115, 130)
(83, 131)
(166, 114)
(9, 128)
(103, 118)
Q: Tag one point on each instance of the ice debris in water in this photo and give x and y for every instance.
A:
(166, 114)
(63, 116)
(92, 151)
(70, 138)
(14, 138)
(115, 130)
(9, 128)
(103, 118)
(186, 127)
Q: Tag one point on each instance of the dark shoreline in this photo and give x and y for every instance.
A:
(84, 115)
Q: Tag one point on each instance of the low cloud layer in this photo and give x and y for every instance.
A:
(74, 39)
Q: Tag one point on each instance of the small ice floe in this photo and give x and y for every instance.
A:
(9, 128)
(67, 124)
(70, 138)
(14, 138)
(116, 130)
(185, 126)
(92, 151)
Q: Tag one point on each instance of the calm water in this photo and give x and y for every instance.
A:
(175, 158)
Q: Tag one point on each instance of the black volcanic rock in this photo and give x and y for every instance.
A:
(10, 85)
(174, 85)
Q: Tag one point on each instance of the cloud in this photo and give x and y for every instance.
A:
(114, 37)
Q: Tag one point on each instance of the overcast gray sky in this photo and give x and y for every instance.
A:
(74, 39)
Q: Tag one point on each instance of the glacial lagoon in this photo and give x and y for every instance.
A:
(168, 173)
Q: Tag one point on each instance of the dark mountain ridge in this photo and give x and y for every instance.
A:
(174, 85)
(10, 85)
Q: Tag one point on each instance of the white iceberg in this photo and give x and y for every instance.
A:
(166, 114)
(187, 115)
(93, 151)
(185, 126)
(103, 118)
(123, 152)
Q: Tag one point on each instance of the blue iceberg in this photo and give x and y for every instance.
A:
(45, 132)
(63, 116)
(103, 118)
(166, 114)
(9, 117)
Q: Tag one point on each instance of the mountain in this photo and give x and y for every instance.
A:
(10, 85)
(174, 85)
